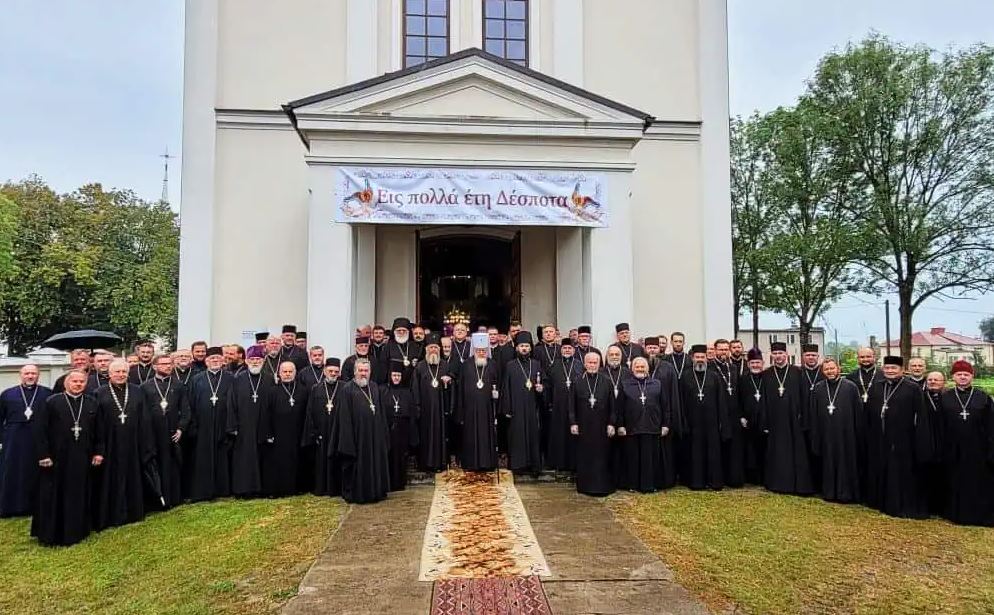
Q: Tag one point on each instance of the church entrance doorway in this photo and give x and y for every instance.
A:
(469, 277)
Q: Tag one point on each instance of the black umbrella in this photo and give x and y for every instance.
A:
(83, 338)
(154, 481)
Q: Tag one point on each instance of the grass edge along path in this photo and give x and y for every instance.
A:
(759, 552)
(229, 556)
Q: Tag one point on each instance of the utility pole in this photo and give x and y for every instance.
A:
(165, 176)
(887, 322)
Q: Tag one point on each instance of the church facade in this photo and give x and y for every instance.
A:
(349, 161)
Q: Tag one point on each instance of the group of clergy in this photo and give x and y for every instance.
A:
(114, 440)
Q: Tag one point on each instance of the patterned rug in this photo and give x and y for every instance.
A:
(478, 528)
(493, 596)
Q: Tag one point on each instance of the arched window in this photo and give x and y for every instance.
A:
(505, 29)
(426, 30)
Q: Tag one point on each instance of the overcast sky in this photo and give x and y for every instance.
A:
(92, 91)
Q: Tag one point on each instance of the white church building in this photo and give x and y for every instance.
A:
(349, 161)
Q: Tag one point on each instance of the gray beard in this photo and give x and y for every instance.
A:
(331, 378)
(255, 371)
(613, 364)
(401, 340)
(481, 362)
(433, 359)
(700, 367)
(361, 382)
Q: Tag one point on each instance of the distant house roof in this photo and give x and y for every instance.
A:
(938, 336)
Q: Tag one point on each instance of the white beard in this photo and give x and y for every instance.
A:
(700, 367)
(331, 378)
(613, 363)
(433, 359)
(361, 382)
(401, 339)
(255, 371)
(481, 362)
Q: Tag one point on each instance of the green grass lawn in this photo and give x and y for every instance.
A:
(765, 553)
(220, 557)
(985, 383)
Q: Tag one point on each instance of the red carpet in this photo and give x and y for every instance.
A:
(490, 596)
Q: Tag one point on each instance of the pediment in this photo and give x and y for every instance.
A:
(468, 84)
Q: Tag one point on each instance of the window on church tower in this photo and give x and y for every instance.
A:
(426, 30)
(505, 29)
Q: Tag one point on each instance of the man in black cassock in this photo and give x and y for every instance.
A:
(502, 352)
(787, 469)
(750, 404)
(737, 357)
(462, 350)
(363, 439)
(18, 462)
(916, 372)
(68, 442)
(402, 349)
(378, 358)
(592, 422)
(314, 372)
(432, 387)
(521, 402)
(248, 424)
(198, 350)
(899, 445)
(678, 357)
(547, 351)
(140, 374)
(935, 474)
(837, 433)
(272, 360)
(811, 369)
(280, 456)
(704, 402)
(733, 447)
(476, 396)
(361, 352)
(210, 475)
(168, 412)
(584, 338)
(99, 376)
(967, 438)
(665, 373)
(234, 358)
(644, 418)
(321, 429)
(629, 349)
(652, 352)
(182, 360)
(127, 449)
(289, 351)
(401, 411)
(562, 375)
(78, 359)
(866, 376)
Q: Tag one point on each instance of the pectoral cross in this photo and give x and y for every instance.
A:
(291, 402)
(780, 390)
(567, 383)
(329, 406)
(592, 400)
(75, 431)
(528, 384)
(396, 406)
(964, 414)
(372, 408)
(163, 404)
(831, 408)
(757, 395)
(865, 397)
(28, 412)
(642, 397)
(214, 400)
(255, 397)
(122, 416)
(729, 387)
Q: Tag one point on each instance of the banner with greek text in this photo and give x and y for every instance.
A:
(395, 195)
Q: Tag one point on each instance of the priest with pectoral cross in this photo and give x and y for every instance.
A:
(127, 449)
(708, 422)
(363, 441)
(733, 448)
(210, 472)
(141, 373)
(592, 420)
(248, 423)
(787, 465)
(432, 387)
(750, 404)
(168, 412)
(967, 440)
(646, 415)
(402, 349)
(899, 445)
(521, 402)
(281, 474)
(474, 406)
(866, 376)
(563, 376)
(401, 414)
(837, 433)
(68, 443)
(18, 462)
(321, 429)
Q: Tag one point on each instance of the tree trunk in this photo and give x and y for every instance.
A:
(755, 323)
(906, 311)
(805, 330)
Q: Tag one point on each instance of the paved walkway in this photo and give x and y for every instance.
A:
(371, 563)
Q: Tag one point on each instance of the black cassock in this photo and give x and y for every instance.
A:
(248, 428)
(935, 474)
(210, 467)
(400, 410)
(140, 374)
(96, 380)
(667, 376)
(704, 398)
(167, 410)
(294, 354)
(615, 377)
(473, 407)
(271, 367)
(750, 408)
(63, 515)
(379, 363)
(547, 354)
(127, 449)
(866, 380)
(521, 403)
(561, 449)
(899, 445)
(782, 417)
(733, 448)
(311, 375)
(592, 411)
(364, 444)
(643, 409)
(838, 438)
(320, 430)
(433, 399)
(811, 379)
(407, 353)
(629, 352)
(18, 462)
(967, 440)
(348, 365)
(280, 457)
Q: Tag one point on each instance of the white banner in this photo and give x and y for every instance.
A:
(394, 195)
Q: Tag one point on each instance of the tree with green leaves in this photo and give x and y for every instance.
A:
(987, 329)
(90, 259)
(916, 129)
